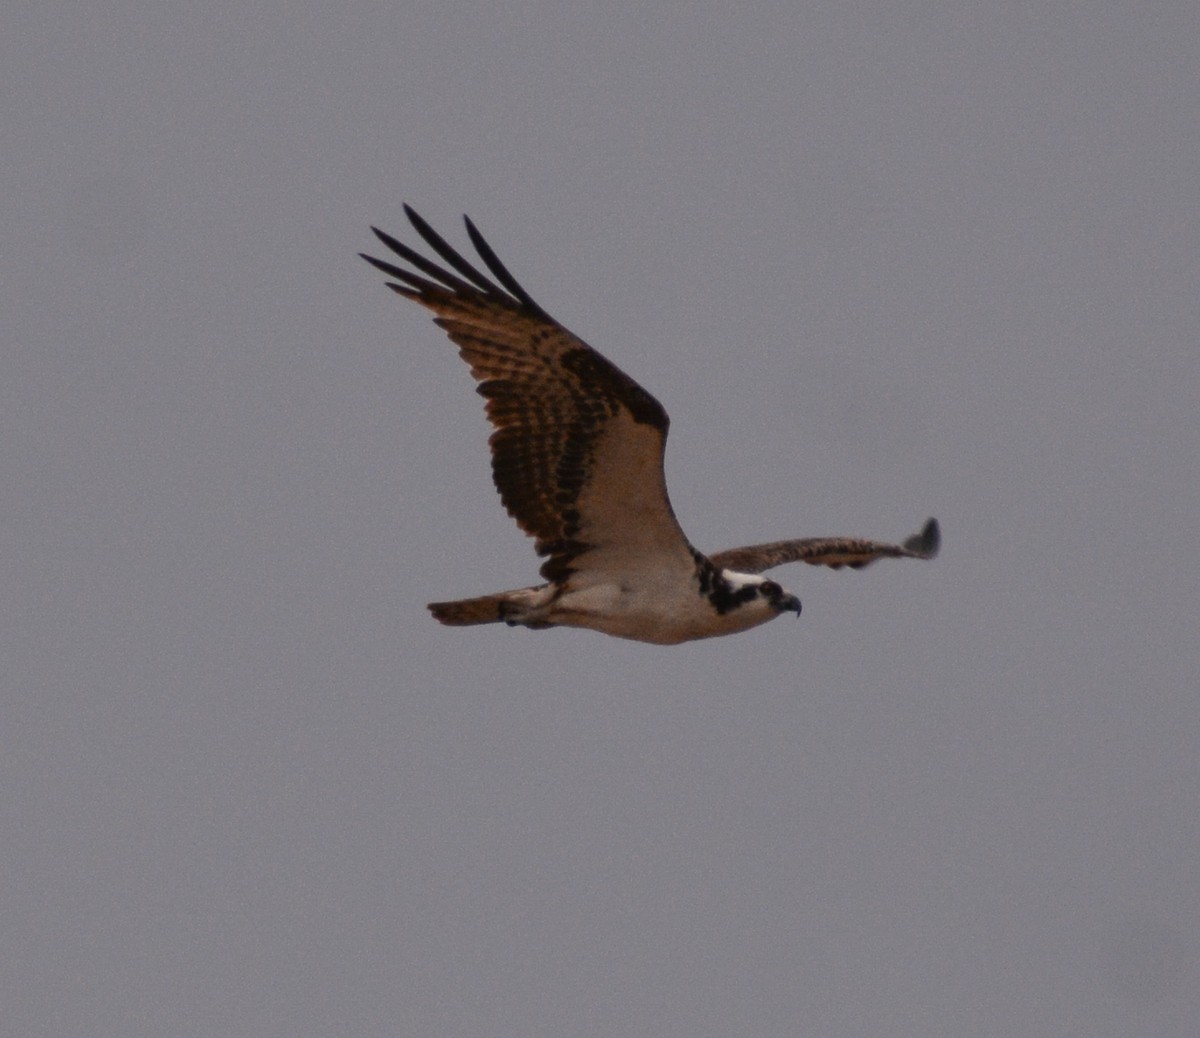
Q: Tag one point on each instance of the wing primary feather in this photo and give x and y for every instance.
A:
(498, 269)
(449, 254)
(421, 263)
(402, 275)
(925, 544)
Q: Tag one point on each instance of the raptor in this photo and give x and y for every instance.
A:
(577, 456)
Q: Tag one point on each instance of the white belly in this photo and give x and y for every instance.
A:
(665, 614)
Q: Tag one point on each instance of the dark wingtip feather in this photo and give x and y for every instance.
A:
(379, 264)
(448, 253)
(498, 269)
(925, 544)
(397, 247)
(432, 270)
(475, 280)
(419, 222)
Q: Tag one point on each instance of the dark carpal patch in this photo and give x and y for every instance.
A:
(594, 371)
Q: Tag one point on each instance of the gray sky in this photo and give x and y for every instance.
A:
(879, 261)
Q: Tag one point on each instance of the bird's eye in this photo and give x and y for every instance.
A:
(770, 589)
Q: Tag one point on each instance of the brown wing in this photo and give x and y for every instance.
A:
(829, 551)
(577, 452)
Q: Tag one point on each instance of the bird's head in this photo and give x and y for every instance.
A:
(746, 588)
(782, 601)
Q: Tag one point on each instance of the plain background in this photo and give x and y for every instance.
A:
(878, 260)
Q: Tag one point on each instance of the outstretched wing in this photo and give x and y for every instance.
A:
(577, 452)
(829, 551)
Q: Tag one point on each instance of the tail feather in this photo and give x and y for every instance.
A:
(525, 606)
(468, 611)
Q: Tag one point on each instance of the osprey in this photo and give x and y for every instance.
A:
(577, 455)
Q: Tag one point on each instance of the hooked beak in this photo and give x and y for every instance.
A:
(789, 604)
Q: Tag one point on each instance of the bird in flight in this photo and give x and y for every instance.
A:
(577, 456)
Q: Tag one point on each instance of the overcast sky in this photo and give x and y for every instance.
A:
(878, 260)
